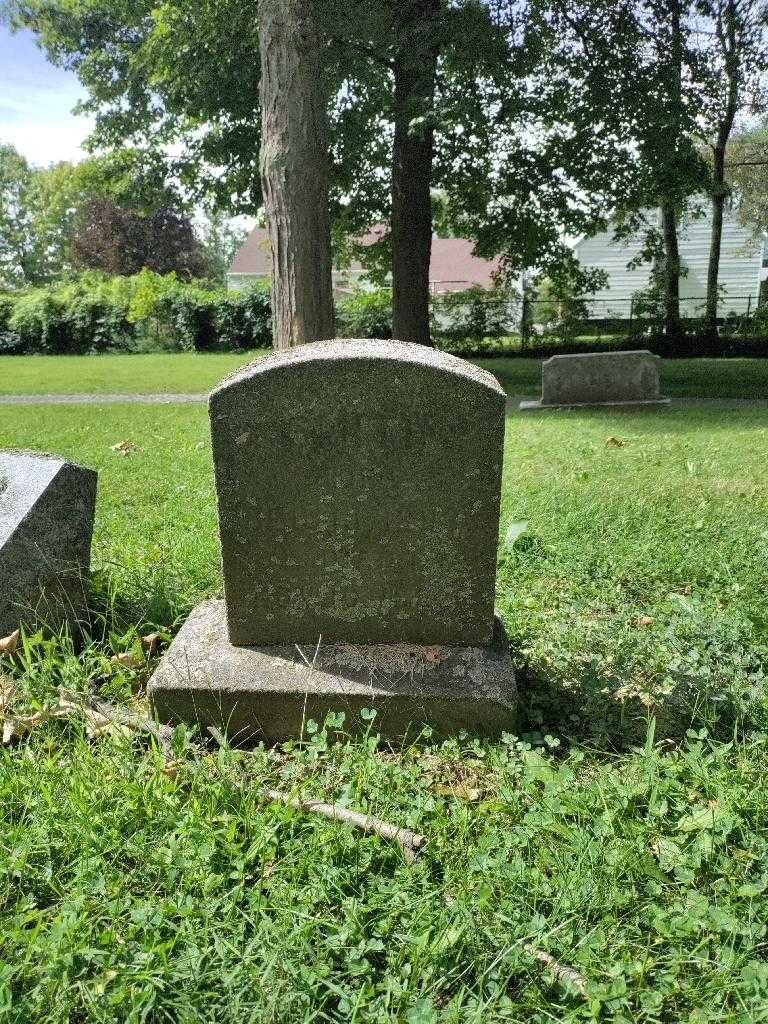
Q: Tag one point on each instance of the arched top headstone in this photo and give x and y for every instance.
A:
(358, 486)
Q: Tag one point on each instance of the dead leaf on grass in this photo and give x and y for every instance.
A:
(172, 768)
(459, 792)
(9, 643)
(8, 693)
(152, 641)
(127, 660)
(124, 447)
(15, 726)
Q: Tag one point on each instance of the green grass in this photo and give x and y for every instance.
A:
(195, 372)
(178, 372)
(625, 832)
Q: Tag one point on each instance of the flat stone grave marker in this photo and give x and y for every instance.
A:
(46, 522)
(599, 378)
(358, 487)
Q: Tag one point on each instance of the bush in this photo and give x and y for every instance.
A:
(146, 312)
(472, 317)
(365, 315)
(8, 340)
(70, 319)
(243, 320)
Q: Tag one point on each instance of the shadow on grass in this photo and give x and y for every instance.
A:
(589, 714)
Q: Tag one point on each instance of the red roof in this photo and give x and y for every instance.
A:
(253, 256)
(453, 267)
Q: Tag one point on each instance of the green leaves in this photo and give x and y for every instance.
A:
(707, 817)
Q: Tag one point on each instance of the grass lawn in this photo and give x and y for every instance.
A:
(624, 831)
(178, 372)
(195, 372)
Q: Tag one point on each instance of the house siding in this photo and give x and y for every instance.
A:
(739, 277)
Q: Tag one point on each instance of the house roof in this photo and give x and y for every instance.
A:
(253, 256)
(453, 266)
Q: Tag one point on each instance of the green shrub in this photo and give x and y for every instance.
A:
(243, 320)
(365, 315)
(9, 342)
(472, 316)
(146, 312)
(85, 315)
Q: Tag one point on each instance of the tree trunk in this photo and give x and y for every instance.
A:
(726, 36)
(294, 171)
(716, 240)
(415, 67)
(671, 271)
(668, 211)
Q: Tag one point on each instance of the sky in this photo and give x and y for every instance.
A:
(36, 101)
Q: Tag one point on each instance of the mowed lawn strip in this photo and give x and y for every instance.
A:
(154, 373)
(624, 833)
(194, 373)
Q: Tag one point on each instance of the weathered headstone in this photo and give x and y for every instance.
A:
(599, 378)
(358, 487)
(46, 522)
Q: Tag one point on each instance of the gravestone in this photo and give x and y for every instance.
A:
(46, 522)
(599, 378)
(358, 487)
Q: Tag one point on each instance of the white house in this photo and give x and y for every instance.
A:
(741, 267)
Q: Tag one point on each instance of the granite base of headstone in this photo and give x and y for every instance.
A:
(46, 522)
(358, 487)
(599, 379)
(268, 693)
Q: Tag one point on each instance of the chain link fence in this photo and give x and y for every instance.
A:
(476, 321)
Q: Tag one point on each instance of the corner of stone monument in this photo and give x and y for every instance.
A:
(47, 509)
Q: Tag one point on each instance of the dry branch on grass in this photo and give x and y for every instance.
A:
(100, 715)
(410, 842)
(560, 971)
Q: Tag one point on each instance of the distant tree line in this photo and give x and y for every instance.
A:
(535, 119)
(117, 213)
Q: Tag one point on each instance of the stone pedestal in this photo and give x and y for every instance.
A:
(268, 693)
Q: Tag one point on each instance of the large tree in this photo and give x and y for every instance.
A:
(733, 70)
(294, 171)
(379, 65)
(18, 259)
(628, 67)
(119, 240)
(746, 168)
(416, 50)
(42, 209)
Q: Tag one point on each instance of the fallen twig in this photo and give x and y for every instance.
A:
(410, 842)
(101, 713)
(560, 971)
(162, 733)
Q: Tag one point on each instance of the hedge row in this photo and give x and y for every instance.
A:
(149, 312)
(142, 313)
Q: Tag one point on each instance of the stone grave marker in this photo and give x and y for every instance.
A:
(599, 378)
(358, 487)
(46, 522)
